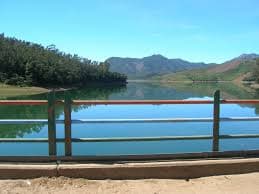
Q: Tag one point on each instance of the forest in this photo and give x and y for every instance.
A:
(28, 64)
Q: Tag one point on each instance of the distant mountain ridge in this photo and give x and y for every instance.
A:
(238, 69)
(151, 66)
(247, 57)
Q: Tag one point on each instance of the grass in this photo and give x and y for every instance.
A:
(11, 91)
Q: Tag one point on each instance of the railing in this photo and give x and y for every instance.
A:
(52, 140)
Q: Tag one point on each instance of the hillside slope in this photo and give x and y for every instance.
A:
(239, 68)
(150, 66)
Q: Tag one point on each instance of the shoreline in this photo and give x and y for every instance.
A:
(12, 91)
(187, 81)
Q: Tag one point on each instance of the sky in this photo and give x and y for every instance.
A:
(194, 30)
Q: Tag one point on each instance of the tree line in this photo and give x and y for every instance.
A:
(29, 64)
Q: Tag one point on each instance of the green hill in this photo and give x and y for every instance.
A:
(237, 69)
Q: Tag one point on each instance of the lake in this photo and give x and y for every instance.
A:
(136, 91)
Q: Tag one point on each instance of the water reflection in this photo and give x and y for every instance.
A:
(130, 92)
(40, 112)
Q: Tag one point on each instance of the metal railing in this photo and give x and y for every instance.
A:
(68, 102)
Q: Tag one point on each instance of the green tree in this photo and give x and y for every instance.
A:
(26, 63)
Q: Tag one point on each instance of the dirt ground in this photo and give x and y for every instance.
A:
(236, 184)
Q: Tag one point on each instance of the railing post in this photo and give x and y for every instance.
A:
(67, 112)
(216, 120)
(51, 124)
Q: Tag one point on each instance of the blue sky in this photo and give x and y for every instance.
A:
(195, 30)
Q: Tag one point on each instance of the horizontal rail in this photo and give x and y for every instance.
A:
(162, 120)
(27, 102)
(115, 158)
(126, 102)
(149, 120)
(238, 136)
(239, 119)
(26, 121)
(130, 102)
(245, 101)
(23, 140)
(159, 102)
(163, 138)
(165, 156)
(128, 139)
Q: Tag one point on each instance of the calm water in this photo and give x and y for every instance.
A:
(130, 92)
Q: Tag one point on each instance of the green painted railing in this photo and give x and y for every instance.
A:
(68, 140)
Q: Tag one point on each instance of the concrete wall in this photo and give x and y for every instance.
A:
(173, 169)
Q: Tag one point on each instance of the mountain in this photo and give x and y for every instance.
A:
(234, 63)
(247, 57)
(150, 66)
(236, 69)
